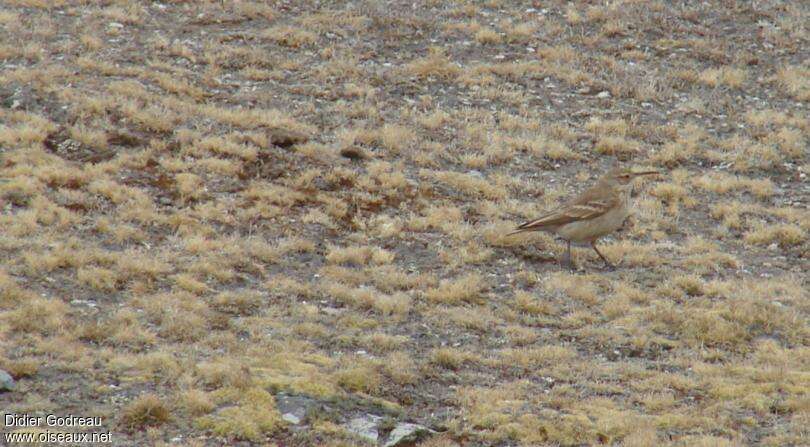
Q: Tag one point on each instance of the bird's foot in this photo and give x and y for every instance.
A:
(610, 267)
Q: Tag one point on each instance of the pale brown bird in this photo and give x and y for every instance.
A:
(598, 211)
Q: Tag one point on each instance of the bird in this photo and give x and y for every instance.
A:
(596, 212)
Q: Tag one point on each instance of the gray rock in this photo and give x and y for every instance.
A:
(405, 432)
(365, 427)
(603, 95)
(6, 381)
(291, 418)
(293, 409)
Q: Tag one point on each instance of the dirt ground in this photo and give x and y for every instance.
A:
(217, 214)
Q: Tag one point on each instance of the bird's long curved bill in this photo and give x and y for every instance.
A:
(646, 172)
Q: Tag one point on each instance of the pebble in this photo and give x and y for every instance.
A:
(406, 433)
(365, 427)
(6, 381)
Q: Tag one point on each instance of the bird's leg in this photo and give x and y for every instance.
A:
(607, 263)
(567, 262)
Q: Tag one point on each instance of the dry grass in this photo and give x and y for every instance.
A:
(145, 411)
(210, 206)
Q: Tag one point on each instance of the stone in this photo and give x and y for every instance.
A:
(603, 94)
(291, 418)
(6, 381)
(406, 432)
(365, 427)
(293, 409)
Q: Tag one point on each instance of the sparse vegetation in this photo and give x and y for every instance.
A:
(212, 208)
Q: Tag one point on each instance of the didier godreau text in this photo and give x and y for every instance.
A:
(15, 421)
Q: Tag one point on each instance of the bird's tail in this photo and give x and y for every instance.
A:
(518, 231)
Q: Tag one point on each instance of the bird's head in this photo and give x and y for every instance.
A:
(624, 176)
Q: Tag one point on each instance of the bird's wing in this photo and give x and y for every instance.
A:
(589, 205)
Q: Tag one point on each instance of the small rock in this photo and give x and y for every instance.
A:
(365, 427)
(293, 409)
(291, 418)
(603, 94)
(6, 381)
(405, 432)
(83, 303)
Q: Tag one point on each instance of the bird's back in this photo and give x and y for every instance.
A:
(593, 202)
